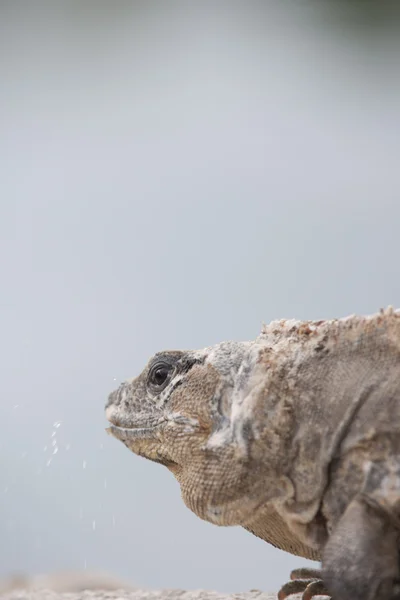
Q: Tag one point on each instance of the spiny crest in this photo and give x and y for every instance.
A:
(287, 330)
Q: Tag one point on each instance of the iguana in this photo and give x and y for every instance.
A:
(295, 436)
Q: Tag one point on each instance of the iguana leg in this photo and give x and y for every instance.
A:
(361, 558)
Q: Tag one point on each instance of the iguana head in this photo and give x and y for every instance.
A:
(179, 412)
(150, 413)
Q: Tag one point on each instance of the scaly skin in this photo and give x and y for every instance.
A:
(294, 436)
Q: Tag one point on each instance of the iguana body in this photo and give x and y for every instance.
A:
(294, 436)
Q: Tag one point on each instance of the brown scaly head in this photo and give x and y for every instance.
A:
(178, 412)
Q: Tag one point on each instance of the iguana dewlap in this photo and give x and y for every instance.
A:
(294, 436)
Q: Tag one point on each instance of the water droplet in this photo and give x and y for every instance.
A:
(54, 443)
(93, 525)
(44, 449)
(67, 446)
(54, 433)
(16, 406)
(55, 450)
(57, 424)
(48, 462)
(84, 464)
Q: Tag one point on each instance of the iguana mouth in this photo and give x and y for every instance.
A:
(131, 433)
(123, 428)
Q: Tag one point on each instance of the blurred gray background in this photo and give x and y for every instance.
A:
(173, 174)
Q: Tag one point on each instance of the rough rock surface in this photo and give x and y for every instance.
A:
(64, 581)
(137, 595)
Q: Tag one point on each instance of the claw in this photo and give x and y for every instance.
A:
(296, 586)
(315, 588)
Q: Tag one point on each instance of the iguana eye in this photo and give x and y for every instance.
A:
(159, 375)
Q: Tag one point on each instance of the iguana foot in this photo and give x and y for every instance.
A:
(308, 582)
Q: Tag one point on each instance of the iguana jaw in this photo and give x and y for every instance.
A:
(143, 441)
